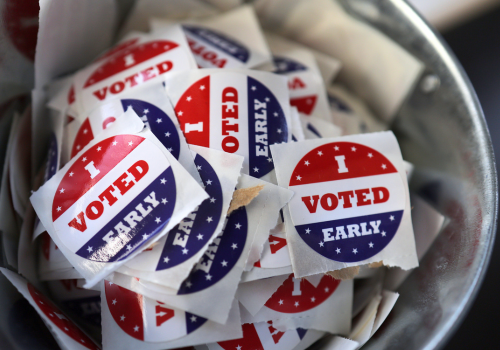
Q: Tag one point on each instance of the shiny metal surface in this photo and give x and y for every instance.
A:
(442, 131)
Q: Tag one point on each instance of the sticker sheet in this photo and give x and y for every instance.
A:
(141, 59)
(229, 40)
(322, 304)
(305, 83)
(171, 260)
(217, 274)
(133, 321)
(236, 111)
(133, 191)
(263, 336)
(64, 330)
(351, 205)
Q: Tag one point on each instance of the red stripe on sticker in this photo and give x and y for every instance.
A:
(129, 58)
(193, 112)
(126, 308)
(90, 168)
(83, 137)
(339, 161)
(250, 340)
(304, 104)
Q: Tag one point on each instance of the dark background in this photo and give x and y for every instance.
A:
(477, 46)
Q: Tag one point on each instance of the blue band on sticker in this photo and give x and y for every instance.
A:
(286, 65)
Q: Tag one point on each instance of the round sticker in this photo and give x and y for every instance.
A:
(114, 197)
(59, 319)
(250, 118)
(191, 235)
(221, 255)
(349, 201)
(299, 295)
(212, 49)
(147, 319)
(160, 123)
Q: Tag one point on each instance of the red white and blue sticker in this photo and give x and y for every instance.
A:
(130, 67)
(115, 197)
(234, 112)
(349, 201)
(213, 49)
(146, 319)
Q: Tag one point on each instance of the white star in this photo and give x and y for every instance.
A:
(391, 218)
(280, 302)
(170, 149)
(336, 148)
(193, 318)
(129, 247)
(256, 169)
(307, 163)
(212, 200)
(224, 263)
(279, 131)
(180, 113)
(114, 143)
(189, 98)
(337, 250)
(110, 283)
(130, 143)
(208, 277)
(209, 182)
(84, 159)
(83, 341)
(158, 121)
(370, 244)
(164, 201)
(355, 251)
(200, 236)
(98, 149)
(66, 329)
(144, 236)
(89, 249)
(269, 160)
(327, 290)
(198, 167)
(188, 284)
(299, 177)
(58, 208)
(275, 114)
(202, 87)
(166, 259)
(184, 251)
(85, 131)
(296, 304)
(238, 226)
(267, 99)
(167, 134)
(308, 230)
(383, 233)
(209, 219)
(254, 88)
(234, 246)
(239, 346)
(370, 155)
(71, 174)
(157, 220)
(353, 149)
(320, 153)
(146, 111)
(313, 299)
(163, 181)
(122, 318)
(61, 190)
(321, 244)
(136, 329)
(114, 301)
(384, 166)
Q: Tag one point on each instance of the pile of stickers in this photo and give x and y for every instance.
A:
(208, 183)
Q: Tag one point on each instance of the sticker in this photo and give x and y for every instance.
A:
(235, 111)
(323, 306)
(115, 198)
(132, 321)
(144, 61)
(253, 295)
(171, 260)
(351, 200)
(216, 275)
(64, 329)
